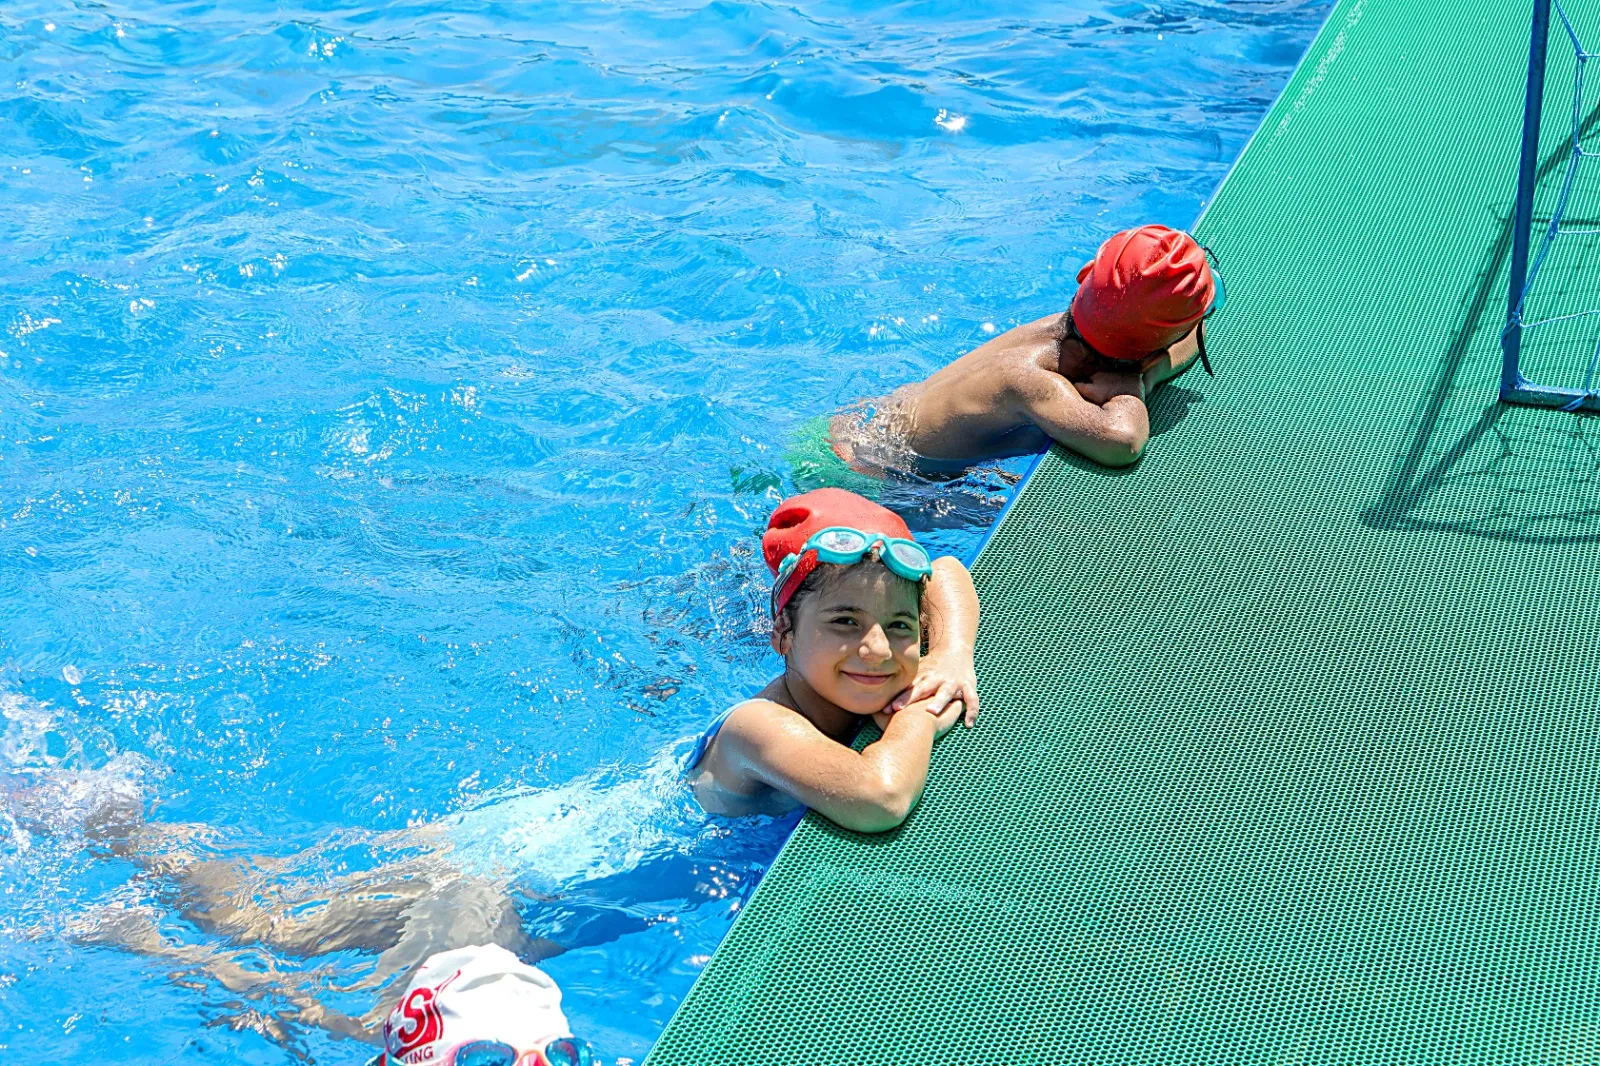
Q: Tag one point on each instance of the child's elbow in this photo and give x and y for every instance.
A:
(1123, 444)
(892, 812)
(883, 809)
(878, 819)
(1127, 455)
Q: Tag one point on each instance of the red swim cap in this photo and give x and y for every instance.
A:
(1145, 289)
(798, 517)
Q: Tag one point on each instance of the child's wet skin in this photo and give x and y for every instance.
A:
(850, 631)
(863, 632)
(1079, 377)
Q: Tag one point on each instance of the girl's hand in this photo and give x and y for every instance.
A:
(943, 717)
(947, 718)
(942, 679)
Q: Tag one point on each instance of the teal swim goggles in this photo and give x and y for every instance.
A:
(562, 1051)
(844, 546)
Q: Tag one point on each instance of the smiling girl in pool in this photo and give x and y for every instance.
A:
(852, 591)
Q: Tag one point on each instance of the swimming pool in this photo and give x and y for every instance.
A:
(392, 395)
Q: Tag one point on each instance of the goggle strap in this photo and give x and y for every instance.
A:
(781, 592)
(1221, 297)
(1073, 335)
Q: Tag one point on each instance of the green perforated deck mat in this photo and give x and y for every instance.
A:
(1289, 752)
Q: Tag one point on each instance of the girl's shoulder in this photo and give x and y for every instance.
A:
(759, 718)
(747, 722)
(743, 714)
(754, 710)
(763, 706)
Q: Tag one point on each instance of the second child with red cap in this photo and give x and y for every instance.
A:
(1080, 377)
(854, 600)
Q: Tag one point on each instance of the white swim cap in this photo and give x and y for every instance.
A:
(473, 993)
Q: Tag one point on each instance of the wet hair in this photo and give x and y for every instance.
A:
(1094, 360)
(826, 574)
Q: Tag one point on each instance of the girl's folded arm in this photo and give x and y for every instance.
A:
(1112, 433)
(946, 672)
(952, 606)
(868, 791)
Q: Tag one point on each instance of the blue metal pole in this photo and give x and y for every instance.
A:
(1511, 379)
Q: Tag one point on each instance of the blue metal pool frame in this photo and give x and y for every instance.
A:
(1514, 387)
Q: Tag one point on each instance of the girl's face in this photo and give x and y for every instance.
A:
(857, 639)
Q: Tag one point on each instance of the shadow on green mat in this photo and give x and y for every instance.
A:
(1170, 406)
(1474, 465)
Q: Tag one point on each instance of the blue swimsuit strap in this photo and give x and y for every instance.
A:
(705, 740)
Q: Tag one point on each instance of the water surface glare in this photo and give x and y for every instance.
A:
(390, 396)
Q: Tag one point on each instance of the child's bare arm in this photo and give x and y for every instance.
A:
(1172, 363)
(1112, 433)
(946, 672)
(868, 791)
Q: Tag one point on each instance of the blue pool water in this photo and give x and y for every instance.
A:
(390, 397)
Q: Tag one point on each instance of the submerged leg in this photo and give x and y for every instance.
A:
(250, 974)
(464, 910)
(402, 912)
(268, 909)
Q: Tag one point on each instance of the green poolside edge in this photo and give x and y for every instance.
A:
(1290, 734)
